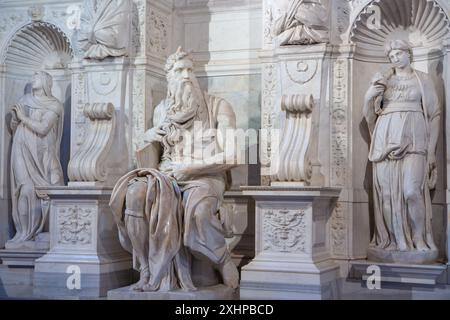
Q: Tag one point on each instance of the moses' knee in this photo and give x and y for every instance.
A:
(205, 210)
(135, 198)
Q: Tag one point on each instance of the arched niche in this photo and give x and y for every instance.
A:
(426, 26)
(34, 47)
(423, 23)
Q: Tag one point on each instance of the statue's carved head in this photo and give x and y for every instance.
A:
(42, 80)
(399, 53)
(183, 88)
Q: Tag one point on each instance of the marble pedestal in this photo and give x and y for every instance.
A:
(16, 282)
(85, 257)
(293, 259)
(392, 274)
(405, 257)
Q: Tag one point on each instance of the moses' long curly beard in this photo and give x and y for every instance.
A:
(184, 98)
(186, 105)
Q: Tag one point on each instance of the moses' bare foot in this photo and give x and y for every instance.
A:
(149, 288)
(230, 274)
(144, 277)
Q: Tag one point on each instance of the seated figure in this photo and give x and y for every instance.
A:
(167, 212)
(304, 23)
(105, 28)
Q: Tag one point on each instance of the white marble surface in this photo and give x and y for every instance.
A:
(292, 251)
(83, 235)
(219, 292)
(239, 67)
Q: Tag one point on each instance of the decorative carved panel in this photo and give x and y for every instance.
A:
(284, 230)
(74, 225)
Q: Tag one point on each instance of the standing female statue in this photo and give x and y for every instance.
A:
(37, 122)
(403, 114)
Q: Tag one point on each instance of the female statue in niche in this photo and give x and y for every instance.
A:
(36, 124)
(403, 113)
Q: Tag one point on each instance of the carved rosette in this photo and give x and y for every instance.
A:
(74, 225)
(89, 163)
(292, 164)
(284, 230)
(302, 71)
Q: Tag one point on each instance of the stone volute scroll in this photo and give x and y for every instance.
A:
(105, 28)
(90, 162)
(292, 165)
(304, 22)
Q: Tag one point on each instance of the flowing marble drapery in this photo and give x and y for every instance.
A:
(35, 160)
(400, 121)
(105, 28)
(304, 23)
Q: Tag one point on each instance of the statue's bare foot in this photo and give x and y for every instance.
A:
(149, 288)
(230, 274)
(421, 245)
(144, 277)
(391, 247)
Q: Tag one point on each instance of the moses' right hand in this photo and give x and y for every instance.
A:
(154, 135)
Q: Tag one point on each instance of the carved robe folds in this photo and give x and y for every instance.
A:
(105, 30)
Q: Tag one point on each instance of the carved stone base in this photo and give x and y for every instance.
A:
(408, 257)
(20, 258)
(218, 292)
(42, 243)
(293, 259)
(16, 282)
(85, 258)
(390, 273)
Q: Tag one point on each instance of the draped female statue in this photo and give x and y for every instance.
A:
(36, 124)
(403, 113)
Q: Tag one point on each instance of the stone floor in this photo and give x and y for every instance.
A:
(357, 290)
(16, 283)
